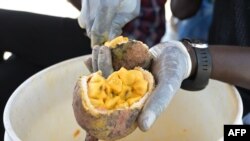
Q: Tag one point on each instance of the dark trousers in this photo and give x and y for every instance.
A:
(36, 41)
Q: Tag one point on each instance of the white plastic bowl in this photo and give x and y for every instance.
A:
(41, 110)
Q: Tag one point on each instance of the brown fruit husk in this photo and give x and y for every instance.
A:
(107, 124)
(130, 55)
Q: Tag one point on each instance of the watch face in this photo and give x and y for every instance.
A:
(199, 45)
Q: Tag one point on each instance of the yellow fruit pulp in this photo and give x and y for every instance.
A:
(121, 89)
(116, 41)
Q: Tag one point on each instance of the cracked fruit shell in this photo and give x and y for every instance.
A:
(108, 108)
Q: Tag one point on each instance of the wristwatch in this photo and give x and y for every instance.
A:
(201, 76)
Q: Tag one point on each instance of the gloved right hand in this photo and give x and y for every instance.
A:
(104, 19)
(170, 66)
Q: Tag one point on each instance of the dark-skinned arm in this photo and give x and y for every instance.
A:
(183, 9)
(230, 64)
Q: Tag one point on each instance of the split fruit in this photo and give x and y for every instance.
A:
(108, 108)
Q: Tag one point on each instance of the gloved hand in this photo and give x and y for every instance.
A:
(104, 19)
(100, 60)
(171, 65)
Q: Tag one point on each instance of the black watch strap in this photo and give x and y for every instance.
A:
(202, 73)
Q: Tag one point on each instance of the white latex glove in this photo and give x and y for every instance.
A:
(171, 65)
(100, 60)
(104, 19)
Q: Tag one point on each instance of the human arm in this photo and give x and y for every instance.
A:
(231, 64)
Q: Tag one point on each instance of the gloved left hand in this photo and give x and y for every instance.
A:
(104, 19)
